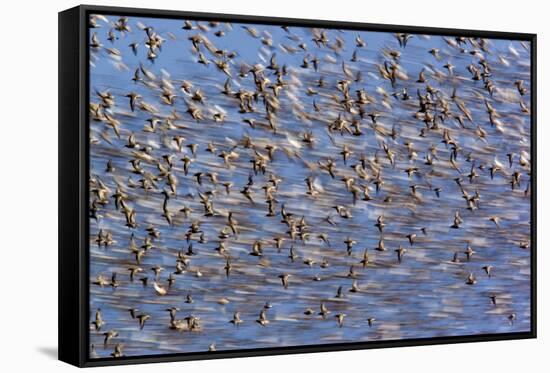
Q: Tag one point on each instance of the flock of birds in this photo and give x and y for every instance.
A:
(266, 178)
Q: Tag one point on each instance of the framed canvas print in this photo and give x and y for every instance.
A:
(238, 186)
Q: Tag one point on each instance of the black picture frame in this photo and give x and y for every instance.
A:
(74, 194)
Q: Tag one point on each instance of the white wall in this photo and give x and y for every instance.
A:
(28, 183)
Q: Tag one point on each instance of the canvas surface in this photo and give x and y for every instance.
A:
(258, 186)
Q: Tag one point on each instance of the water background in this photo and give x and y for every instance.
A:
(424, 296)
